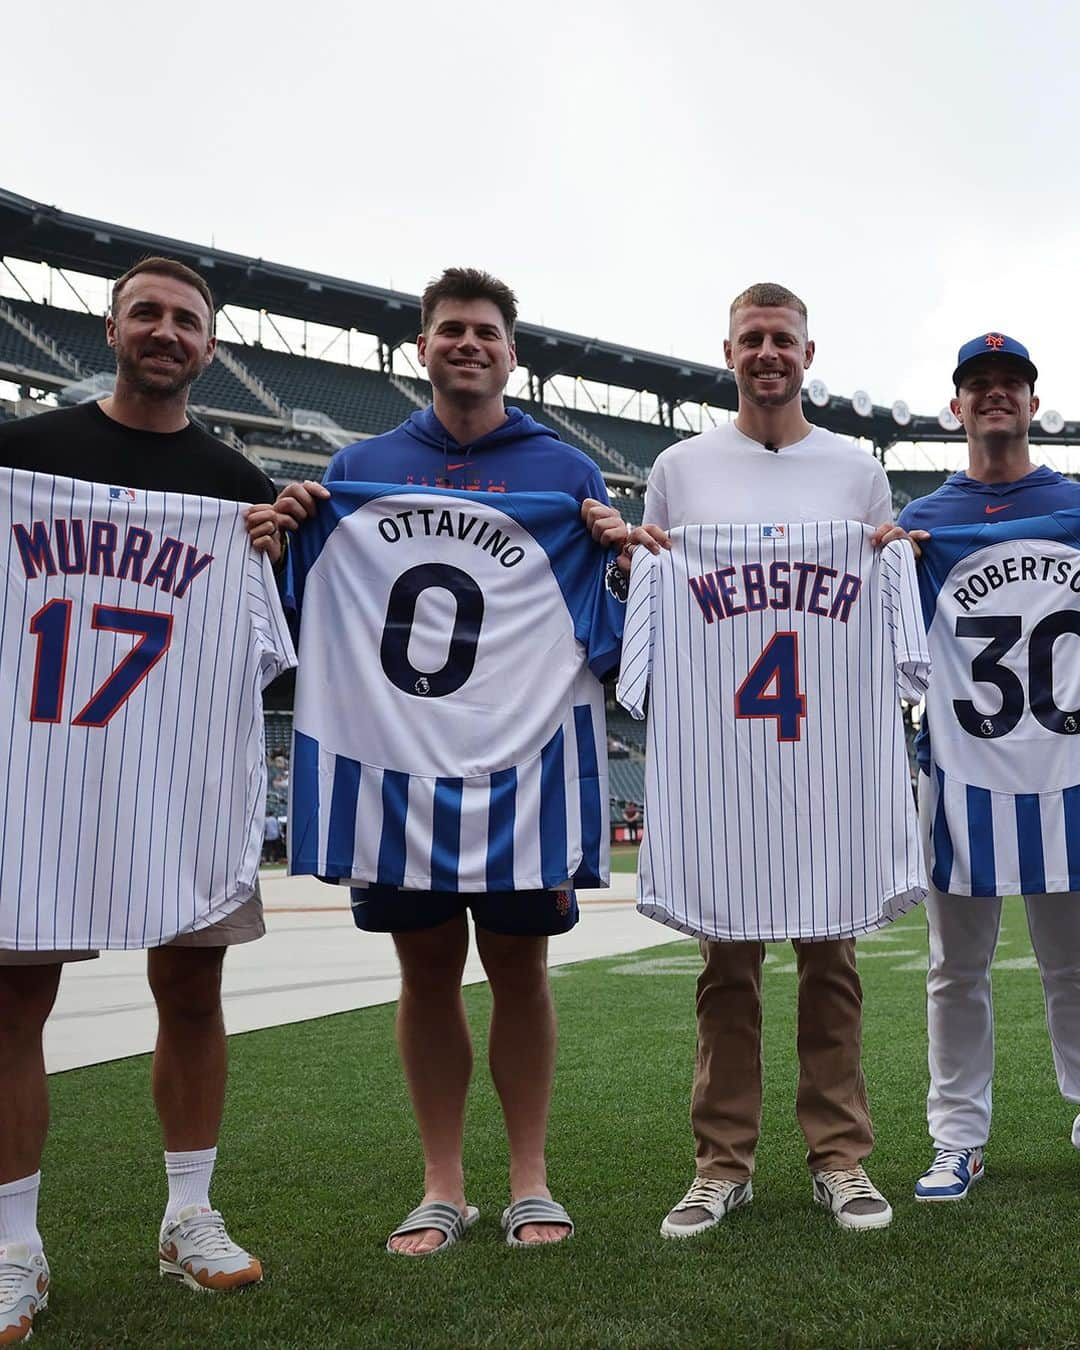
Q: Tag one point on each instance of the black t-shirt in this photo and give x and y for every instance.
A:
(83, 442)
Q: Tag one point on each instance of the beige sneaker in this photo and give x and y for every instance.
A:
(704, 1205)
(852, 1198)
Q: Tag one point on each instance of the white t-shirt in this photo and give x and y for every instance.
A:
(725, 476)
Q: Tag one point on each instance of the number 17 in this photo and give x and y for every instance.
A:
(52, 627)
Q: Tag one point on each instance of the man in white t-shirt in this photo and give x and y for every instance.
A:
(770, 464)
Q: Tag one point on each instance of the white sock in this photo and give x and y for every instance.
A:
(18, 1212)
(189, 1179)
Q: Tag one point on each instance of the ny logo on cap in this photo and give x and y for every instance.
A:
(995, 341)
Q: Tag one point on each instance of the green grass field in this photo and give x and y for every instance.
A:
(319, 1161)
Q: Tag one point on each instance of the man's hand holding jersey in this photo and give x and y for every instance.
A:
(885, 534)
(265, 524)
(609, 530)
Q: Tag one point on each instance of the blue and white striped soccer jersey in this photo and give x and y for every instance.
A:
(449, 723)
(778, 799)
(1002, 608)
(137, 631)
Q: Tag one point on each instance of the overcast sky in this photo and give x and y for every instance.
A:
(627, 167)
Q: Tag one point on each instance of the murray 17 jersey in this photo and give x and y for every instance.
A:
(449, 723)
(1002, 608)
(137, 630)
(778, 798)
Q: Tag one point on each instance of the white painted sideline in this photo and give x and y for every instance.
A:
(311, 962)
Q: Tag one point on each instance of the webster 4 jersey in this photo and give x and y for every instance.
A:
(137, 630)
(778, 799)
(449, 724)
(1002, 608)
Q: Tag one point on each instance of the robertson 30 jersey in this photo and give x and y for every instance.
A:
(137, 629)
(449, 725)
(778, 800)
(1002, 608)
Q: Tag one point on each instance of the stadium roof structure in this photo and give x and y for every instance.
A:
(39, 233)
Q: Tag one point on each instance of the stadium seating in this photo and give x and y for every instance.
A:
(278, 732)
(621, 725)
(638, 441)
(83, 336)
(626, 780)
(908, 484)
(358, 400)
(291, 470)
(630, 506)
(15, 350)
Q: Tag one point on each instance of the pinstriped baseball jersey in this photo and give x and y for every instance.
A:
(1002, 608)
(449, 727)
(137, 630)
(777, 794)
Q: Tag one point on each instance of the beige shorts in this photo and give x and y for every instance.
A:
(244, 924)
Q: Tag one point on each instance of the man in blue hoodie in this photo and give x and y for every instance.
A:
(995, 402)
(468, 439)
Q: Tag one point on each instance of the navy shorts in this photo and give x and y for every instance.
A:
(386, 909)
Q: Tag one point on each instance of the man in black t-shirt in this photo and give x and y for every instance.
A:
(161, 328)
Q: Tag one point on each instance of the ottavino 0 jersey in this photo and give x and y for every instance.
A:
(1002, 608)
(449, 723)
(778, 799)
(137, 630)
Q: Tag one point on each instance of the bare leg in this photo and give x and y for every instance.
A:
(27, 995)
(436, 1054)
(190, 1059)
(522, 1057)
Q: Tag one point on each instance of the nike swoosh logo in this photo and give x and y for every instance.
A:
(991, 509)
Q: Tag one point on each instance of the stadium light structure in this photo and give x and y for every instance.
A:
(901, 413)
(818, 393)
(1052, 422)
(947, 420)
(862, 403)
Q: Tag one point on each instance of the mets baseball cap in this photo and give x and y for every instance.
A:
(993, 344)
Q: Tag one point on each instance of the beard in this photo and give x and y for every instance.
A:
(786, 391)
(157, 385)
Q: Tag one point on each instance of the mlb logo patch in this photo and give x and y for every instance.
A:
(772, 531)
(122, 494)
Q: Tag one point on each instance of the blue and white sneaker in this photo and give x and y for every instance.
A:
(951, 1175)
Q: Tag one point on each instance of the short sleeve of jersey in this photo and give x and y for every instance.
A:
(900, 601)
(632, 689)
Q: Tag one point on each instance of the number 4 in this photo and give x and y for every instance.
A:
(771, 689)
(52, 626)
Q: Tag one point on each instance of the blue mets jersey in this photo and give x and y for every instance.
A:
(778, 800)
(1002, 609)
(449, 724)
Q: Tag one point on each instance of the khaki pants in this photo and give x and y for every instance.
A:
(831, 1101)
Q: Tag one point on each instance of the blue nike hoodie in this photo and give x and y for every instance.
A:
(522, 455)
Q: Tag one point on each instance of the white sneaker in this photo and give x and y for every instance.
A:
(1076, 1133)
(704, 1205)
(852, 1198)
(195, 1248)
(951, 1175)
(24, 1291)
